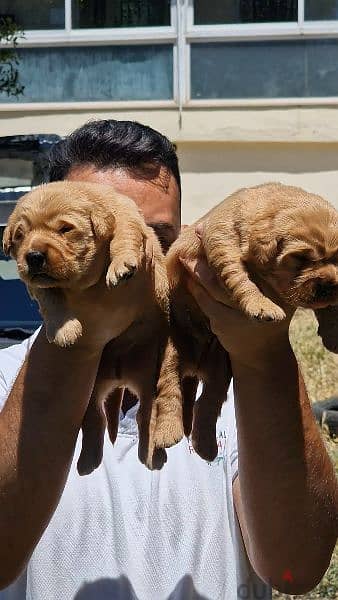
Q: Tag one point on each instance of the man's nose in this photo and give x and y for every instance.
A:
(35, 260)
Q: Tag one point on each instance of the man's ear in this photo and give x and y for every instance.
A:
(7, 240)
(103, 223)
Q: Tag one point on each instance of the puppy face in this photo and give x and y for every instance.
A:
(306, 266)
(59, 237)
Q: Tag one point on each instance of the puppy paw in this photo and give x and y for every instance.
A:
(89, 460)
(205, 445)
(121, 271)
(168, 431)
(263, 310)
(158, 459)
(66, 335)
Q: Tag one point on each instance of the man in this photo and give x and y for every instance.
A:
(125, 532)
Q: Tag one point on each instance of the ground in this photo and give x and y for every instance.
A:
(320, 370)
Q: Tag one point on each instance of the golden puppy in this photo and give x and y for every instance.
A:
(82, 247)
(270, 234)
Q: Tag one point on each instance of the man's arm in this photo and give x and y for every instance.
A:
(286, 491)
(38, 430)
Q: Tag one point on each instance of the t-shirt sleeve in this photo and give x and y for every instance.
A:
(11, 361)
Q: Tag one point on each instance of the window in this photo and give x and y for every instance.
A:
(96, 73)
(120, 13)
(15, 172)
(35, 14)
(175, 52)
(255, 50)
(259, 69)
(50, 14)
(321, 10)
(94, 50)
(244, 11)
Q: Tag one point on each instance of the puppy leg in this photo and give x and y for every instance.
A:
(143, 380)
(146, 420)
(328, 327)
(62, 327)
(208, 407)
(112, 407)
(93, 428)
(127, 250)
(169, 419)
(230, 268)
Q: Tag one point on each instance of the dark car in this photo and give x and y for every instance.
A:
(23, 165)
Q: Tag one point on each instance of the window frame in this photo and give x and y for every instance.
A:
(100, 37)
(240, 32)
(181, 33)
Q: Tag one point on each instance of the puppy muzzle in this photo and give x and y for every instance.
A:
(36, 261)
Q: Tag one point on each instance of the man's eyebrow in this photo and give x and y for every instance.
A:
(165, 232)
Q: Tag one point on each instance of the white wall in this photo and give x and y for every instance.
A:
(212, 171)
(220, 149)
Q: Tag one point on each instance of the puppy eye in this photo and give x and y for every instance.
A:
(66, 229)
(18, 235)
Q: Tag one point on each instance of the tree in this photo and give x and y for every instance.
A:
(10, 33)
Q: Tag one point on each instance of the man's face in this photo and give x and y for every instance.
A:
(156, 193)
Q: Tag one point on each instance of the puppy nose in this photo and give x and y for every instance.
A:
(35, 260)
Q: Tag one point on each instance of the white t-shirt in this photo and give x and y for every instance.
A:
(126, 533)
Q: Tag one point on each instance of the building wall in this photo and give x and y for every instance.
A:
(220, 149)
(212, 171)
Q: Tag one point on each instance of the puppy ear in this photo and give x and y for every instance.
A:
(328, 327)
(7, 240)
(103, 224)
(264, 247)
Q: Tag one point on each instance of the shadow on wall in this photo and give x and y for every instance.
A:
(254, 157)
(121, 589)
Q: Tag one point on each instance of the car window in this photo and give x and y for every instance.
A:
(15, 172)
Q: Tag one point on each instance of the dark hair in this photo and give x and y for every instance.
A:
(111, 143)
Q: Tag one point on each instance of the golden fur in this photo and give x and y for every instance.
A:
(79, 245)
(270, 234)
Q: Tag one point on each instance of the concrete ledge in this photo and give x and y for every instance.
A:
(198, 124)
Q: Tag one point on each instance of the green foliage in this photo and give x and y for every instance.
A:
(10, 33)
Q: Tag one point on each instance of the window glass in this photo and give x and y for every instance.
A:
(120, 13)
(316, 10)
(95, 73)
(268, 69)
(35, 14)
(244, 11)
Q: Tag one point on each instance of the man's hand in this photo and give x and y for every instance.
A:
(245, 339)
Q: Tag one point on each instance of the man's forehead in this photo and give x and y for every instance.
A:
(156, 177)
(156, 194)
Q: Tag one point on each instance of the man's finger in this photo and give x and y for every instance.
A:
(203, 274)
(199, 230)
